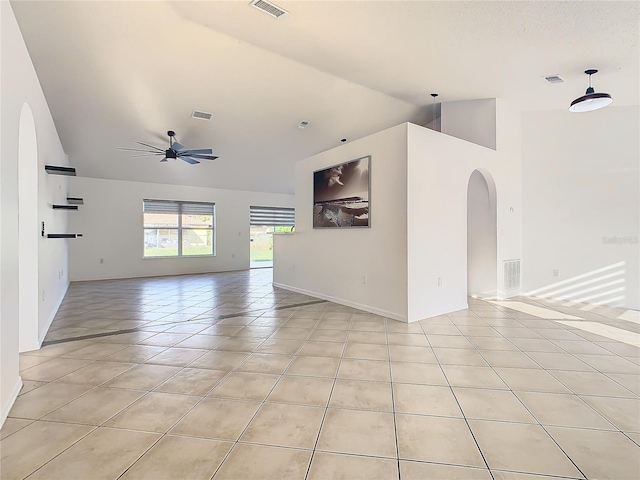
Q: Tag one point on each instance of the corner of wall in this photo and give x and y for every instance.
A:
(10, 400)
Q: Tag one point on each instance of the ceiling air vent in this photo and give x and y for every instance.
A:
(269, 8)
(554, 79)
(201, 115)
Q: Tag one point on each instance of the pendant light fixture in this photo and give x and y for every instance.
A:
(590, 100)
(435, 117)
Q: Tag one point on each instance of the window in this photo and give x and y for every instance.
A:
(265, 221)
(178, 229)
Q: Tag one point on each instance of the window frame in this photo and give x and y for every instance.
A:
(180, 228)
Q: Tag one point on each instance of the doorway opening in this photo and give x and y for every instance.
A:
(482, 238)
(264, 222)
(28, 232)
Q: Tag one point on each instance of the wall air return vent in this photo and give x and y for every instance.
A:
(511, 276)
(201, 115)
(269, 8)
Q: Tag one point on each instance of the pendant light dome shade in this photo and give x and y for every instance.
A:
(590, 100)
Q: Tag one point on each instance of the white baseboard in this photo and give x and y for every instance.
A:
(342, 301)
(52, 315)
(10, 401)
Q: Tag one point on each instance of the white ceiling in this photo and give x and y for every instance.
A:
(114, 72)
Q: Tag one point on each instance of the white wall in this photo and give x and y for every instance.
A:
(111, 222)
(471, 120)
(20, 85)
(580, 192)
(331, 263)
(482, 243)
(438, 174)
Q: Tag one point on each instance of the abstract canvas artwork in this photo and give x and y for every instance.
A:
(341, 195)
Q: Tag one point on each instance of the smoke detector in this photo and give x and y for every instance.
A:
(268, 8)
(303, 124)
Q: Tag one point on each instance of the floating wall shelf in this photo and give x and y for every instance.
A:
(75, 201)
(65, 207)
(64, 235)
(55, 170)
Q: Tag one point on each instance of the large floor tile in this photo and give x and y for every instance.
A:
(373, 370)
(37, 403)
(176, 357)
(350, 467)
(176, 457)
(459, 356)
(563, 410)
(34, 445)
(425, 400)
(434, 471)
(156, 412)
(302, 390)
(265, 363)
(53, 369)
(366, 351)
(492, 405)
(96, 406)
(600, 454)
(192, 381)
(530, 380)
(322, 349)
(358, 432)
(471, 376)
(521, 447)
(247, 462)
(421, 373)
(248, 386)
(592, 383)
(96, 373)
(285, 425)
(218, 360)
(313, 366)
(362, 395)
(103, 454)
(437, 439)
(217, 418)
(624, 413)
(12, 425)
(408, 353)
(143, 377)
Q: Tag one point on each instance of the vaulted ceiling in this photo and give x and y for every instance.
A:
(114, 72)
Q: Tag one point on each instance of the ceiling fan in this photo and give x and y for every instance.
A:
(175, 150)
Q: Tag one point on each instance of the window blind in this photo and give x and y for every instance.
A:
(272, 216)
(189, 208)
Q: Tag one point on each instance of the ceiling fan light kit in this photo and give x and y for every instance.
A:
(590, 100)
(176, 150)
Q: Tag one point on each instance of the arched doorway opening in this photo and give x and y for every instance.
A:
(28, 231)
(482, 241)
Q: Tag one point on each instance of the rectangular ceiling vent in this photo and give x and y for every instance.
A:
(554, 79)
(268, 7)
(201, 115)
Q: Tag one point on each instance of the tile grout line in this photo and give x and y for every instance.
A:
(326, 409)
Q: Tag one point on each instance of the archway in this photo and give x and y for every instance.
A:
(482, 238)
(28, 232)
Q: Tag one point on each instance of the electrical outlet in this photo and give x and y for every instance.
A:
(364, 279)
(556, 273)
(102, 260)
(439, 281)
(233, 255)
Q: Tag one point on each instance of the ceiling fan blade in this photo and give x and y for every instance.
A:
(150, 146)
(164, 159)
(136, 150)
(147, 155)
(177, 146)
(197, 151)
(203, 157)
(190, 160)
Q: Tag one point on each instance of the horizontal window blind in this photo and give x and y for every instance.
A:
(189, 208)
(272, 216)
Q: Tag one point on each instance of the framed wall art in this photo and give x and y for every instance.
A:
(341, 195)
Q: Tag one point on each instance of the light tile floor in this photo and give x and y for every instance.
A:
(222, 376)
